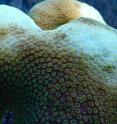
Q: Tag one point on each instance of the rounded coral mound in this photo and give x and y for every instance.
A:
(12, 16)
(50, 14)
(60, 76)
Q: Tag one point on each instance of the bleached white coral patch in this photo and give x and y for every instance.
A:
(88, 11)
(13, 16)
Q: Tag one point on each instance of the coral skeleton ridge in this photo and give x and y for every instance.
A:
(50, 14)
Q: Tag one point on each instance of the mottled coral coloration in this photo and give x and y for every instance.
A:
(46, 78)
(50, 14)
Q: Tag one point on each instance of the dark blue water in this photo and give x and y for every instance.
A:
(7, 118)
(24, 5)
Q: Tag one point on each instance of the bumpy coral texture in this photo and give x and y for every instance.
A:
(48, 82)
(50, 14)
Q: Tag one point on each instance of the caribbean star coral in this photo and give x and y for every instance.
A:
(63, 76)
(50, 14)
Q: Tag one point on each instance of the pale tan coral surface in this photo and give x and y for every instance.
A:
(50, 14)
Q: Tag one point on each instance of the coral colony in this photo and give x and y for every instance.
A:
(57, 65)
(50, 14)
